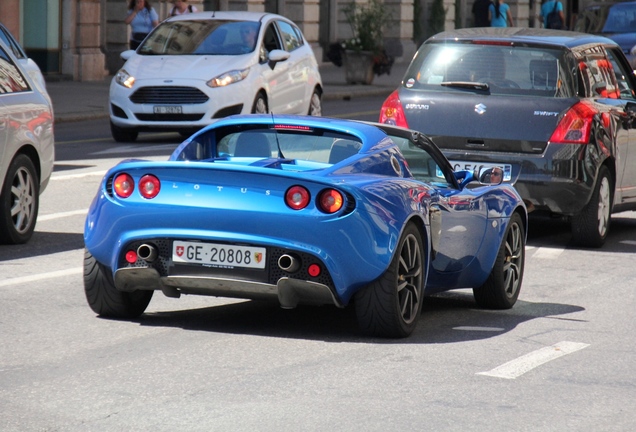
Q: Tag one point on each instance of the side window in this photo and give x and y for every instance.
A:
(598, 78)
(624, 75)
(11, 43)
(292, 38)
(11, 79)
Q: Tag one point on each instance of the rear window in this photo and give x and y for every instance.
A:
(524, 71)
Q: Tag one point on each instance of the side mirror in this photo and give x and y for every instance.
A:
(276, 56)
(490, 176)
(126, 54)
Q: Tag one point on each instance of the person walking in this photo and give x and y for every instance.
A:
(181, 7)
(552, 13)
(499, 14)
(480, 13)
(142, 18)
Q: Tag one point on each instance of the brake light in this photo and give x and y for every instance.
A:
(392, 112)
(292, 127)
(297, 197)
(575, 125)
(330, 201)
(123, 185)
(149, 186)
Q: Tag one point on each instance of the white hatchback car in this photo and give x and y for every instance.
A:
(27, 151)
(196, 68)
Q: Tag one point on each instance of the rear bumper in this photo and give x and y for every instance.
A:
(560, 180)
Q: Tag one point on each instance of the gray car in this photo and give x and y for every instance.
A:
(26, 148)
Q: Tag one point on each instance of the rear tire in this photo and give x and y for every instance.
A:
(391, 305)
(590, 227)
(501, 289)
(19, 201)
(104, 299)
(121, 134)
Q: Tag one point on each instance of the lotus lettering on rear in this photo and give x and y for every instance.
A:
(546, 113)
(415, 106)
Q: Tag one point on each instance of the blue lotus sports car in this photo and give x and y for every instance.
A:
(304, 210)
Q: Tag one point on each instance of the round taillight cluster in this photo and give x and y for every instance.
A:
(329, 200)
(124, 185)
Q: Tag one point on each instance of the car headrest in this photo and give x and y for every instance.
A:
(252, 144)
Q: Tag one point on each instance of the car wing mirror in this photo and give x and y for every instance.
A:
(490, 176)
(276, 56)
(126, 54)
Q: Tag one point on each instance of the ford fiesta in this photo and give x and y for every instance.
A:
(196, 68)
(553, 109)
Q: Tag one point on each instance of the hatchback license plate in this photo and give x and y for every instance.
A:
(472, 166)
(218, 255)
(167, 109)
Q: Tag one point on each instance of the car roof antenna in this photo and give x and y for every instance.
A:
(280, 153)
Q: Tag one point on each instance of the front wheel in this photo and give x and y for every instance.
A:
(315, 105)
(501, 289)
(391, 305)
(106, 300)
(590, 227)
(19, 201)
(260, 105)
(121, 134)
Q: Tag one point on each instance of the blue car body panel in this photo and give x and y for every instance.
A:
(241, 201)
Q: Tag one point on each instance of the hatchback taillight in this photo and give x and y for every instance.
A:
(575, 125)
(392, 112)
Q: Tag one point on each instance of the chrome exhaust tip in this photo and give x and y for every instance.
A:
(147, 252)
(288, 263)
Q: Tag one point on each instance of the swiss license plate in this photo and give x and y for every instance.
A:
(218, 255)
(472, 166)
(158, 109)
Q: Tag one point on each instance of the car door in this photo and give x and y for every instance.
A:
(626, 138)
(296, 91)
(275, 75)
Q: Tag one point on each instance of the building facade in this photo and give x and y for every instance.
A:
(82, 39)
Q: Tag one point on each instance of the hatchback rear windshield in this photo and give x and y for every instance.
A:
(495, 69)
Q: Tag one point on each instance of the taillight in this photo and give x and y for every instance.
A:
(297, 197)
(123, 185)
(330, 201)
(392, 112)
(575, 125)
(149, 186)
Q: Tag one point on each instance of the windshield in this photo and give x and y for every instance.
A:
(488, 68)
(202, 37)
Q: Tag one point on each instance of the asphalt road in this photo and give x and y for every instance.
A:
(561, 359)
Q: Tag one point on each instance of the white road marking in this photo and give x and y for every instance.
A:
(547, 253)
(61, 215)
(629, 242)
(41, 276)
(80, 175)
(484, 329)
(526, 363)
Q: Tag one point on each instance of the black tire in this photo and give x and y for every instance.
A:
(260, 105)
(590, 227)
(315, 104)
(121, 134)
(19, 201)
(391, 305)
(501, 289)
(104, 299)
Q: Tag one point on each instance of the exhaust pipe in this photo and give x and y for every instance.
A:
(147, 252)
(288, 263)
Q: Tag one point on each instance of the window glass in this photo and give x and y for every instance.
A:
(291, 36)
(421, 163)
(622, 76)
(11, 43)
(11, 79)
(597, 74)
(526, 71)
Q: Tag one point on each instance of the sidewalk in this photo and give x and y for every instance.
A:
(76, 101)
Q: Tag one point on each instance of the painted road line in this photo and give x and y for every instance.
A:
(61, 215)
(628, 242)
(547, 253)
(478, 329)
(41, 276)
(80, 175)
(517, 367)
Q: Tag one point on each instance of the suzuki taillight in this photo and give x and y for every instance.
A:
(575, 125)
(392, 112)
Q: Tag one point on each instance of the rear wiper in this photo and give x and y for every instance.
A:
(466, 84)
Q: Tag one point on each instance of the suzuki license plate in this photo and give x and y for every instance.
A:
(472, 166)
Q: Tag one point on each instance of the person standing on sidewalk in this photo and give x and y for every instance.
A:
(142, 18)
(499, 14)
(181, 7)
